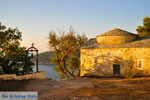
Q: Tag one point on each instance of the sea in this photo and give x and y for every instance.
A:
(49, 70)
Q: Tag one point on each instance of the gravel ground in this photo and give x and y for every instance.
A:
(83, 88)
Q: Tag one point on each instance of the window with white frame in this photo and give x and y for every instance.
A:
(140, 63)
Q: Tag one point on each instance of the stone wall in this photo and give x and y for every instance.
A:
(37, 75)
(99, 61)
(115, 39)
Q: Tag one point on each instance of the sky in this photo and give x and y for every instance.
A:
(36, 18)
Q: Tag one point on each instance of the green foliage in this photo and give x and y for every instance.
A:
(144, 31)
(54, 60)
(65, 48)
(77, 73)
(12, 56)
(61, 75)
(58, 68)
(73, 63)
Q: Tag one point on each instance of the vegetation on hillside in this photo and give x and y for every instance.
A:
(65, 48)
(45, 57)
(12, 55)
(144, 31)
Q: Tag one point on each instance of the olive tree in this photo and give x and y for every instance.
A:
(66, 47)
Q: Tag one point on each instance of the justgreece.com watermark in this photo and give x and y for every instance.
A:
(18, 96)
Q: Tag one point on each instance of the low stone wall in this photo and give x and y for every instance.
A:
(37, 75)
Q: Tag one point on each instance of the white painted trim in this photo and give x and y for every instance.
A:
(142, 60)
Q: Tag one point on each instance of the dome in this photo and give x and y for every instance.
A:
(115, 36)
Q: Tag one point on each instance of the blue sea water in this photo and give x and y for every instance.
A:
(49, 69)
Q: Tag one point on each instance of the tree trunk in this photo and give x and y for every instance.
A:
(66, 74)
(64, 65)
(63, 71)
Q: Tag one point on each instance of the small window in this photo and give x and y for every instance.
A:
(140, 63)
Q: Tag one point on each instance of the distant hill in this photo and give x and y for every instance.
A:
(44, 57)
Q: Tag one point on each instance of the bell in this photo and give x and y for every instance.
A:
(31, 55)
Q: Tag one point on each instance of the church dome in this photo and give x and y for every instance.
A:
(115, 36)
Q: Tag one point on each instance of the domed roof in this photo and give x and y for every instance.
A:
(116, 32)
(115, 36)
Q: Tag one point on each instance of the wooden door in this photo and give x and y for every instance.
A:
(116, 69)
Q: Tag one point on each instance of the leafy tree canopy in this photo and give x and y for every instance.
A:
(12, 55)
(65, 48)
(144, 31)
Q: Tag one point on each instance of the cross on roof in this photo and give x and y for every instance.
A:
(32, 48)
(32, 44)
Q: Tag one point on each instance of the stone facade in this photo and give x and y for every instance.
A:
(102, 59)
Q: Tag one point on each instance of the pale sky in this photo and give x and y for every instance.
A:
(35, 18)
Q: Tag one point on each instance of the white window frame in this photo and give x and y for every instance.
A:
(142, 60)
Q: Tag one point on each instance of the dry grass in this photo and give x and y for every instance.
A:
(84, 88)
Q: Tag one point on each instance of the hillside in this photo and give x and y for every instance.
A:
(44, 57)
